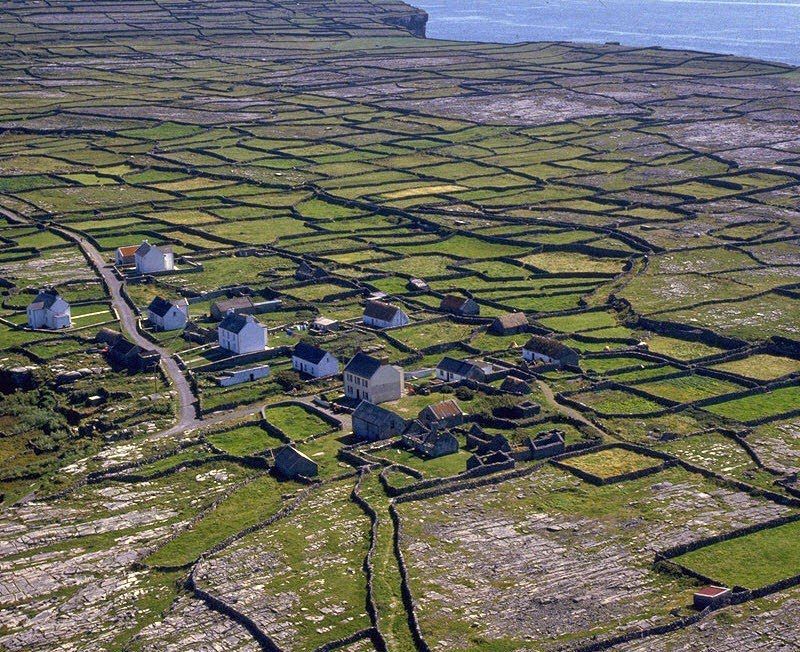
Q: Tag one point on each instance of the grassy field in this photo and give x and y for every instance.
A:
(251, 504)
(751, 561)
(612, 462)
(759, 406)
(296, 421)
(761, 366)
(244, 440)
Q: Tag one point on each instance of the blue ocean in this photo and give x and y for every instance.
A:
(767, 29)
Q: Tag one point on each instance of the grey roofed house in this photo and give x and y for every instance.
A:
(372, 422)
(450, 369)
(160, 306)
(363, 365)
(238, 304)
(509, 324)
(143, 248)
(45, 299)
(291, 463)
(309, 352)
(233, 323)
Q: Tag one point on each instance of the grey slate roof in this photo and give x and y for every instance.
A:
(362, 365)
(160, 306)
(309, 353)
(458, 367)
(374, 414)
(233, 323)
(45, 299)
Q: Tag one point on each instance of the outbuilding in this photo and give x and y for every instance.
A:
(291, 463)
(373, 423)
(463, 306)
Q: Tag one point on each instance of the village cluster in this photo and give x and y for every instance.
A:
(367, 381)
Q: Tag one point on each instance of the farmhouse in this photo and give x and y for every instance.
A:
(368, 379)
(291, 463)
(549, 351)
(168, 315)
(125, 256)
(372, 423)
(239, 305)
(126, 354)
(451, 370)
(384, 315)
(150, 259)
(463, 306)
(446, 414)
(430, 442)
(509, 324)
(546, 444)
(312, 360)
(49, 310)
(241, 334)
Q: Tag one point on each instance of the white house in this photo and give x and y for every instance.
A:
(368, 379)
(241, 334)
(549, 351)
(168, 315)
(49, 310)
(384, 315)
(151, 258)
(314, 361)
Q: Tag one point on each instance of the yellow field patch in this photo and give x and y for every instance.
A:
(424, 190)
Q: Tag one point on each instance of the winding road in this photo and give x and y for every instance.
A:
(187, 414)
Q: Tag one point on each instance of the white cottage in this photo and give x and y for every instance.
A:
(368, 379)
(49, 310)
(167, 315)
(379, 314)
(241, 334)
(151, 258)
(312, 360)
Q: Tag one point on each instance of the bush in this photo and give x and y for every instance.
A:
(464, 393)
(288, 379)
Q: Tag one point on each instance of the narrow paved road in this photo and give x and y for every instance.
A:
(187, 416)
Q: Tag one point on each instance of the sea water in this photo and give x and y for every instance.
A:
(768, 29)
